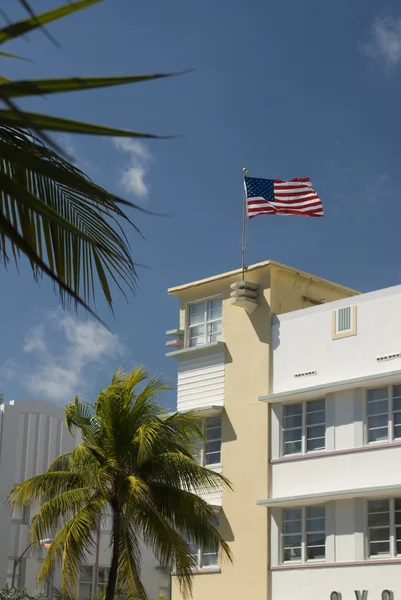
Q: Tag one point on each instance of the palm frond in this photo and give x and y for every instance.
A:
(54, 215)
(19, 29)
(44, 486)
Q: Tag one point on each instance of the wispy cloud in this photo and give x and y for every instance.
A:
(132, 176)
(63, 372)
(385, 42)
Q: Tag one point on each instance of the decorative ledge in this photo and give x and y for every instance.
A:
(305, 499)
(196, 351)
(178, 343)
(245, 295)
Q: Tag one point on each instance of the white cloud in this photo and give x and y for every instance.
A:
(385, 41)
(132, 177)
(60, 375)
(35, 339)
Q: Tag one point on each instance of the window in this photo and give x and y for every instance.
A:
(304, 427)
(18, 580)
(204, 322)
(344, 322)
(384, 527)
(304, 534)
(383, 414)
(209, 452)
(207, 557)
(20, 516)
(103, 578)
(85, 582)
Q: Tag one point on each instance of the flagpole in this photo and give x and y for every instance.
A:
(244, 216)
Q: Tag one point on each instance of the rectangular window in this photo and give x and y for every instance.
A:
(204, 322)
(103, 578)
(208, 453)
(207, 557)
(20, 516)
(384, 527)
(304, 534)
(304, 427)
(383, 414)
(85, 582)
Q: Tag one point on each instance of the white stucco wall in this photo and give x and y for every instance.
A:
(302, 342)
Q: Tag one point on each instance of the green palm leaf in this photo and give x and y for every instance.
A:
(64, 224)
(22, 27)
(137, 466)
(38, 87)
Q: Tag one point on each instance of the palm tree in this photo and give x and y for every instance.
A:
(135, 463)
(68, 227)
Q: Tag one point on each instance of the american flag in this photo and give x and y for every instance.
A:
(276, 197)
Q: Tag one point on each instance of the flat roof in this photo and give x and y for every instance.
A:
(186, 286)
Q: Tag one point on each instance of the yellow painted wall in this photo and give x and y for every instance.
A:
(245, 427)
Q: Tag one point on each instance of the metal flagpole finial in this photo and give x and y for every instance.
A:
(245, 170)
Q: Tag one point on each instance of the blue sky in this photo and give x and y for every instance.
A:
(288, 89)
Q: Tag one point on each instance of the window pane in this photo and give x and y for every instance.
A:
(378, 407)
(377, 506)
(380, 534)
(377, 394)
(214, 309)
(397, 503)
(316, 524)
(85, 591)
(316, 444)
(213, 427)
(316, 431)
(292, 421)
(315, 405)
(396, 391)
(292, 527)
(292, 435)
(316, 418)
(292, 447)
(291, 547)
(196, 313)
(377, 548)
(103, 574)
(378, 519)
(210, 556)
(315, 512)
(377, 435)
(85, 573)
(315, 552)
(397, 403)
(292, 514)
(397, 418)
(212, 447)
(290, 554)
(292, 410)
(213, 458)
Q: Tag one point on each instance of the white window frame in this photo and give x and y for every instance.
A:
(390, 416)
(200, 553)
(304, 437)
(392, 526)
(304, 533)
(200, 453)
(205, 320)
(102, 585)
(21, 516)
(86, 581)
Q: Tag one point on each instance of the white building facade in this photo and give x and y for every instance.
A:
(335, 450)
(32, 436)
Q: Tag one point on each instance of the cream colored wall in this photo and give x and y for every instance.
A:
(245, 431)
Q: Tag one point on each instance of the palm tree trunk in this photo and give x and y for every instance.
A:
(112, 580)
